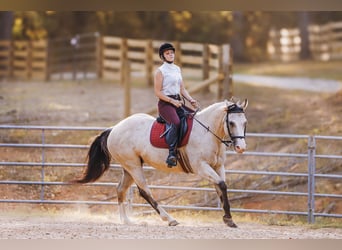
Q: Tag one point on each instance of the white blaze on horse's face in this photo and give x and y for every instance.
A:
(237, 126)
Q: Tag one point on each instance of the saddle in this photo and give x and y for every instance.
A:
(160, 128)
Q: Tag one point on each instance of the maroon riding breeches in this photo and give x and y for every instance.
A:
(169, 113)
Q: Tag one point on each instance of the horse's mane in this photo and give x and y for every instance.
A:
(224, 103)
(215, 106)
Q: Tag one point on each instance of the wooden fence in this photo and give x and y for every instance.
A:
(325, 43)
(24, 59)
(104, 57)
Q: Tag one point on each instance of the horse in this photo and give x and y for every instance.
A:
(128, 143)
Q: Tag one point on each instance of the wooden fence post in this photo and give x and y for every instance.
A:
(205, 66)
(29, 59)
(5, 58)
(127, 86)
(99, 56)
(178, 59)
(149, 63)
(48, 61)
(123, 59)
(225, 89)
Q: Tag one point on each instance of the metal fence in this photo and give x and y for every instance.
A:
(311, 175)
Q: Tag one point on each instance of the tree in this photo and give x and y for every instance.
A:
(238, 39)
(6, 24)
(303, 22)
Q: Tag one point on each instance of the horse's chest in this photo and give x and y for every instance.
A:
(214, 158)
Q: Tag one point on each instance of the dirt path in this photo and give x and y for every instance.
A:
(26, 227)
(301, 83)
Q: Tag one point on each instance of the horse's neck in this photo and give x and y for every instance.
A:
(213, 117)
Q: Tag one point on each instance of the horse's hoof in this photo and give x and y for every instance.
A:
(229, 222)
(173, 223)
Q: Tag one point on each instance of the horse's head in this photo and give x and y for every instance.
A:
(236, 123)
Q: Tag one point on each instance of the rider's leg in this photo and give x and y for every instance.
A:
(172, 139)
(169, 114)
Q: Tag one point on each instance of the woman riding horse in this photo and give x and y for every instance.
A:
(215, 127)
(169, 87)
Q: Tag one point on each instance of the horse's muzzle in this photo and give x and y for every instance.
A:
(240, 146)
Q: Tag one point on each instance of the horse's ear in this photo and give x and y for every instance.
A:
(244, 104)
(233, 99)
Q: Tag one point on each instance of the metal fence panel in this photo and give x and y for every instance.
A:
(311, 174)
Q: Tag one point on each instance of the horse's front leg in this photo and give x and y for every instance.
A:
(221, 189)
(218, 179)
(222, 192)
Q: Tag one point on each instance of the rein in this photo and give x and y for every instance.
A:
(231, 109)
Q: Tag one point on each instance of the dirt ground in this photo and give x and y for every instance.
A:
(35, 103)
(100, 227)
(68, 103)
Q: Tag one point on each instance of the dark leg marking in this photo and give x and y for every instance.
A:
(149, 199)
(227, 218)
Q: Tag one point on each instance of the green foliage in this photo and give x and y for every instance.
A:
(246, 31)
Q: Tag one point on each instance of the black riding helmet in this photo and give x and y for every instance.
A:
(164, 47)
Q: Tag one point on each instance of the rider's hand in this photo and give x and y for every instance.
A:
(194, 103)
(176, 103)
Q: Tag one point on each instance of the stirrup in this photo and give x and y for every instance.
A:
(171, 161)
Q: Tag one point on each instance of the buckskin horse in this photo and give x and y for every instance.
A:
(128, 142)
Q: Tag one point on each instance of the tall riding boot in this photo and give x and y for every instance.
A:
(172, 139)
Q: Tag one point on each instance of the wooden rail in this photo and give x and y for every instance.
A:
(108, 57)
(116, 59)
(39, 59)
(325, 43)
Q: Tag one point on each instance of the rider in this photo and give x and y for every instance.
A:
(168, 87)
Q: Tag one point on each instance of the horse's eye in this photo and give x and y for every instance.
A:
(231, 124)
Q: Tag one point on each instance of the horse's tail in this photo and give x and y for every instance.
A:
(98, 159)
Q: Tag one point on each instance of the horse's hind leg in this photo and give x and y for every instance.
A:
(145, 192)
(122, 188)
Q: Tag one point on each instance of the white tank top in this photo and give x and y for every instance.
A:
(172, 78)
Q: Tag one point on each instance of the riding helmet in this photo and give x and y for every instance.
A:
(164, 47)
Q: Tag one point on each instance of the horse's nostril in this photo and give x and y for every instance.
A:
(239, 149)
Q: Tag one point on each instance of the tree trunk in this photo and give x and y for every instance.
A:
(238, 39)
(303, 20)
(6, 24)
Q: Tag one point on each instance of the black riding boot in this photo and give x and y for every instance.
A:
(172, 139)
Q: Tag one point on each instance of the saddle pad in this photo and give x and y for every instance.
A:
(159, 128)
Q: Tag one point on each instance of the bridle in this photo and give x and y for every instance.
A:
(234, 109)
(230, 109)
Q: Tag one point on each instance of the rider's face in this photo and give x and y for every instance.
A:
(169, 55)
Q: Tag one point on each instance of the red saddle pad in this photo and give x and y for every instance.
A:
(159, 128)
